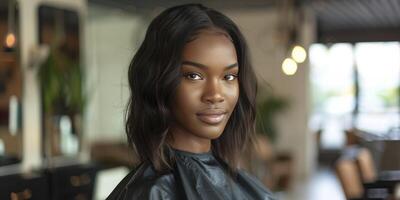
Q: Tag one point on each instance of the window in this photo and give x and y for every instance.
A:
(337, 71)
(378, 66)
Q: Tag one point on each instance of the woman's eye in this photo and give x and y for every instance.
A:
(193, 76)
(230, 77)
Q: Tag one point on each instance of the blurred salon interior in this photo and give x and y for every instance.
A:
(328, 107)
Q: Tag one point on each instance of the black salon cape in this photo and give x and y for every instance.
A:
(194, 177)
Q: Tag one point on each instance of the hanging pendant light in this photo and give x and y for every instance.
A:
(10, 40)
(289, 66)
(299, 54)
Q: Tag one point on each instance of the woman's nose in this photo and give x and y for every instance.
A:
(213, 92)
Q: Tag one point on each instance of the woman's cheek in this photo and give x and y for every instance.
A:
(232, 94)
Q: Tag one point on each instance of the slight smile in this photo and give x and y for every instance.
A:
(211, 117)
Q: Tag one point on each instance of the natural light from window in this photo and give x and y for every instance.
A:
(333, 87)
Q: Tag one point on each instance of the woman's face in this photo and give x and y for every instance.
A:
(208, 91)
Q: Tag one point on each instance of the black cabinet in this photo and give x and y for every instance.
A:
(30, 186)
(74, 182)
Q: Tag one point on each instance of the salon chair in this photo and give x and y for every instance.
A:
(359, 178)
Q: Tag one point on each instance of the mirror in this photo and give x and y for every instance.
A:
(10, 85)
(61, 82)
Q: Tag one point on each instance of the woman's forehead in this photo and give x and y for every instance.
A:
(207, 41)
(212, 31)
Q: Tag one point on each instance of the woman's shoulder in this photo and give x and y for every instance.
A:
(144, 183)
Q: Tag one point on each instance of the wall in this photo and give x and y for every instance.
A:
(112, 37)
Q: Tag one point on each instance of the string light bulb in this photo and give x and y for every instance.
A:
(289, 66)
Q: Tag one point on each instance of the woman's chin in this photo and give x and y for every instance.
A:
(211, 132)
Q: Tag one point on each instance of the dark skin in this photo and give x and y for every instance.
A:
(207, 94)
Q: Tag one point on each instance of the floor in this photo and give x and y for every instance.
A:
(107, 180)
(323, 184)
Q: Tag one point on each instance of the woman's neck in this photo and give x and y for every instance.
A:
(183, 141)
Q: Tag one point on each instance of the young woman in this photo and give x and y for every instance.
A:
(191, 110)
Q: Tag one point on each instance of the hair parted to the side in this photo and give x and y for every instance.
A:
(154, 75)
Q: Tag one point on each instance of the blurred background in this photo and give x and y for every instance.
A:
(328, 118)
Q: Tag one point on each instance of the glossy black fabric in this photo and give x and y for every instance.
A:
(195, 176)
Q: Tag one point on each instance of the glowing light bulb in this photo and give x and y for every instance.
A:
(299, 54)
(289, 66)
(10, 40)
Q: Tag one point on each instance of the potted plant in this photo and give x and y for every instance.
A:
(268, 107)
(61, 82)
(263, 158)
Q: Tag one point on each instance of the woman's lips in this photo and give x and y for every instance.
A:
(211, 119)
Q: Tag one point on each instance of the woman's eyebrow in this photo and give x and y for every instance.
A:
(199, 65)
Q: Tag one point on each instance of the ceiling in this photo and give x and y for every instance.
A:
(357, 20)
(150, 4)
(337, 20)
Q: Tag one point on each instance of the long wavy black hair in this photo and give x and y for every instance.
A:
(154, 74)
